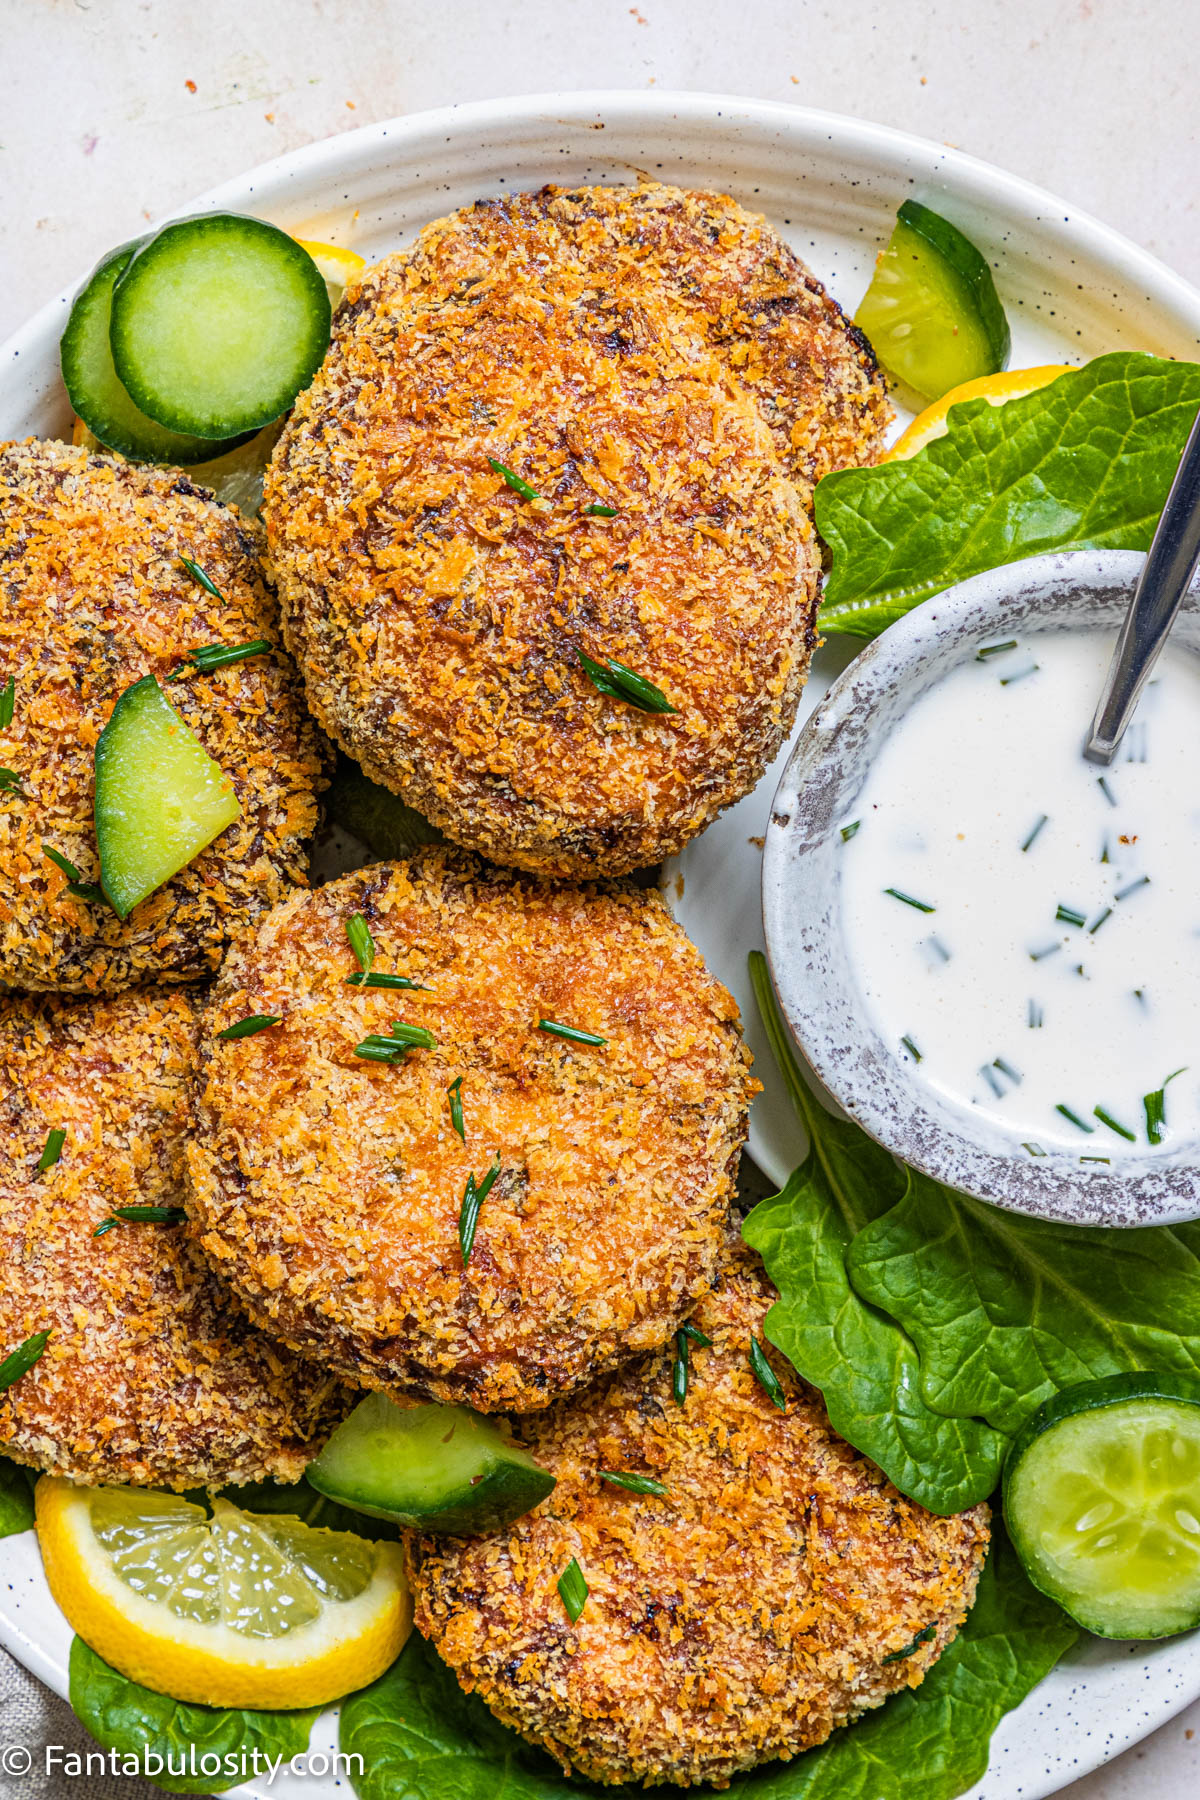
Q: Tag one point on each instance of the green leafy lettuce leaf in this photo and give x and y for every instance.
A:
(1083, 464)
(16, 1499)
(1005, 1310)
(863, 1362)
(421, 1738)
(134, 1721)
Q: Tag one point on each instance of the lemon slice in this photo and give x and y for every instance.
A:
(337, 266)
(1010, 384)
(240, 1609)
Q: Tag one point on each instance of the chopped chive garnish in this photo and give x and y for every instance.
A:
(515, 481)
(600, 512)
(1007, 680)
(1106, 1118)
(1102, 784)
(52, 1149)
(1006, 1068)
(1099, 1159)
(474, 1195)
(572, 1033)
(1155, 1107)
(250, 1026)
(77, 887)
(1068, 916)
(208, 657)
(849, 830)
(573, 1590)
(679, 1369)
(1135, 742)
(923, 1637)
(1044, 820)
(374, 980)
(1040, 955)
(1124, 893)
(1104, 856)
(8, 703)
(921, 905)
(10, 783)
(1098, 921)
(1036, 1016)
(206, 581)
(1074, 1118)
(1079, 970)
(766, 1377)
(456, 1111)
(619, 683)
(415, 1037)
(381, 1049)
(911, 1048)
(636, 1484)
(1034, 1149)
(19, 1361)
(989, 1075)
(987, 650)
(696, 1335)
(361, 942)
(1140, 994)
(939, 949)
(141, 1215)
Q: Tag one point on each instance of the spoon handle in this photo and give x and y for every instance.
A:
(1162, 584)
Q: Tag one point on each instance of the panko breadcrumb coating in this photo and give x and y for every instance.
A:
(328, 1189)
(438, 613)
(94, 595)
(780, 1586)
(152, 1376)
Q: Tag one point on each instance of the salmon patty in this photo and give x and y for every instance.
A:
(330, 1190)
(95, 595)
(152, 1375)
(778, 1588)
(538, 439)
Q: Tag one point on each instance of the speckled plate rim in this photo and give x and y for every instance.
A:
(1102, 1698)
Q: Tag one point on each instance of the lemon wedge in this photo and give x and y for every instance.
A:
(338, 266)
(237, 1609)
(1010, 384)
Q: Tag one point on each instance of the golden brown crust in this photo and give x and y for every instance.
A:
(93, 596)
(438, 616)
(328, 1188)
(740, 1618)
(152, 1376)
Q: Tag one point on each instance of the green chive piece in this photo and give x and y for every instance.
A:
(515, 482)
(987, 650)
(1006, 1068)
(600, 512)
(249, 1026)
(1034, 1149)
(77, 887)
(141, 1215)
(105, 1226)
(1008, 680)
(414, 1037)
(572, 1033)
(848, 831)
(679, 1369)
(619, 683)
(374, 980)
(381, 1050)
(1155, 1107)
(1106, 1118)
(1100, 1159)
(1075, 1118)
(921, 905)
(21, 1360)
(1068, 916)
(1037, 1017)
(51, 1150)
(1040, 955)
(696, 1335)
(911, 1048)
(1104, 856)
(1098, 921)
(206, 581)
(456, 1111)
(573, 1590)
(923, 1637)
(361, 942)
(10, 783)
(1102, 784)
(208, 657)
(766, 1376)
(474, 1195)
(636, 1484)
(8, 703)
(1124, 893)
(1032, 838)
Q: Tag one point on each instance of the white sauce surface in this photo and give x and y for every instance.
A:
(1016, 1011)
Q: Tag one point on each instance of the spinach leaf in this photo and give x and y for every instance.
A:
(1005, 1310)
(863, 1362)
(16, 1499)
(1083, 464)
(134, 1721)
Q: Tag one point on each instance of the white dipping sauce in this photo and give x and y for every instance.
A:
(1059, 963)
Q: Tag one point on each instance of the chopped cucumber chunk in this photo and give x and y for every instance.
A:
(217, 323)
(1102, 1501)
(932, 312)
(160, 797)
(439, 1468)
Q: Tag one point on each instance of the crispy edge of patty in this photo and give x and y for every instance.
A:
(152, 1375)
(741, 1617)
(327, 1189)
(93, 596)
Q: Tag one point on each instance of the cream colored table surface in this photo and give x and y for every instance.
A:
(111, 111)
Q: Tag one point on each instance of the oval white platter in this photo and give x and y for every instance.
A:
(1072, 289)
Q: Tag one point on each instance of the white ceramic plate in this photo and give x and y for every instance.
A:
(1072, 289)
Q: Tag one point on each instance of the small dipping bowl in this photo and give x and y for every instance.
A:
(811, 964)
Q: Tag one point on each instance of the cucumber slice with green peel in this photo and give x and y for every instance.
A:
(160, 797)
(437, 1468)
(932, 312)
(218, 322)
(95, 390)
(1102, 1501)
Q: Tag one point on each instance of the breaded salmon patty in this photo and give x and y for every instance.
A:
(779, 1587)
(94, 594)
(152, 1375)
(524, 449)
(329, 1189)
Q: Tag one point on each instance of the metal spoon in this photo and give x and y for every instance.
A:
(1165, 578)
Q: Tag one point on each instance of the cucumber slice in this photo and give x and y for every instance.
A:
(160, 797)
(95, 391)
(1102, 1501)
(217, 324)
(439, 1468)
(932, 312)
